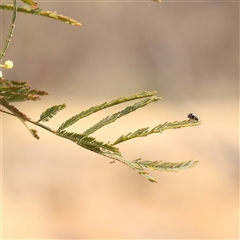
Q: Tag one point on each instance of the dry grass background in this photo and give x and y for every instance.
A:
(189, 53)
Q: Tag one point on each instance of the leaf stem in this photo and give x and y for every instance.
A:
(31, 121)
(10, 32)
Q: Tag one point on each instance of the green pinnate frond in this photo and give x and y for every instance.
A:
(140, 165)
(88, 142)
(40, 12)
(143, 132)
(50, 112)
(166, 166)
(104, 105)
(120, 114)
(13, 91)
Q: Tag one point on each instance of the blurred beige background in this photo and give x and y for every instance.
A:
(189, 53)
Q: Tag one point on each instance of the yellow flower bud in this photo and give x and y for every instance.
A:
(8, 64)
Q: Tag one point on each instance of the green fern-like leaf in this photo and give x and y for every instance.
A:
(88, 142)
(13, 91)
(166, 166)
(143, 132)
(50, 112)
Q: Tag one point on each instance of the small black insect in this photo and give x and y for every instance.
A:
(192, 116)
